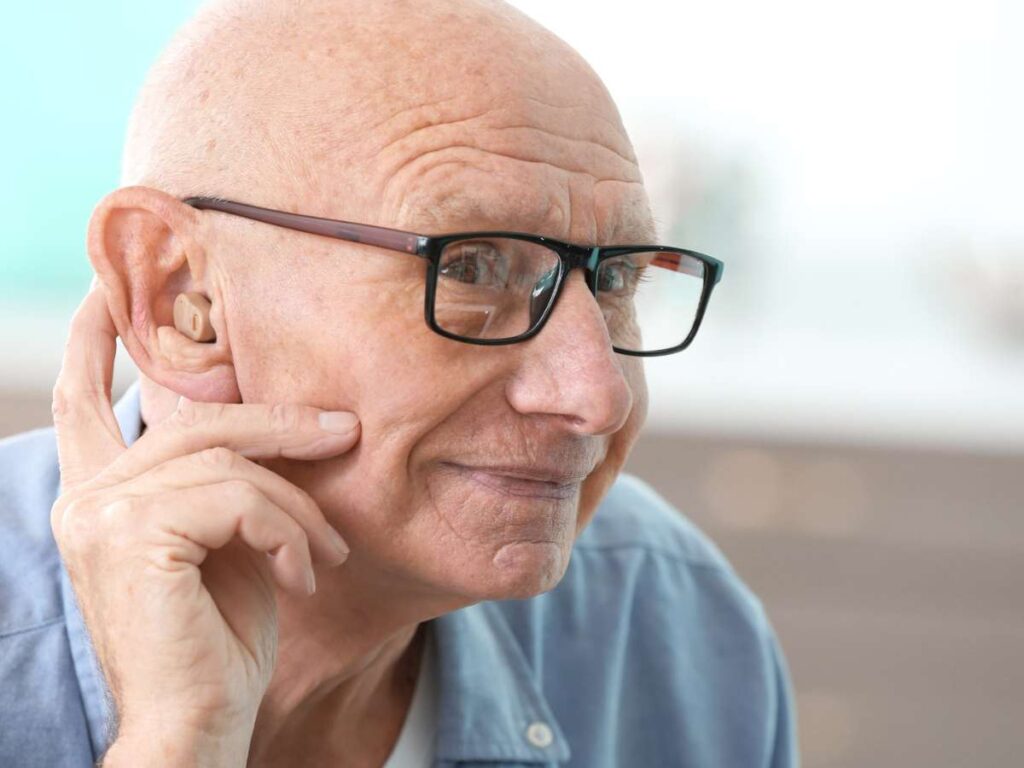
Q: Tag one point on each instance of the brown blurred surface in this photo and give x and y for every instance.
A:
(23, 410)
(894, 579)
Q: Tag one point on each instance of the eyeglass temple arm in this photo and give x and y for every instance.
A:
(369, 234)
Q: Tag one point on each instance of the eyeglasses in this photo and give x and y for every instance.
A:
(501, 287)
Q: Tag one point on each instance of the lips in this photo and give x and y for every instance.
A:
(523, 482)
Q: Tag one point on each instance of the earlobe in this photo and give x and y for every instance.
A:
(144, 246)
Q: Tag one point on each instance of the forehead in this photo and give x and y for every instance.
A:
(517, 164)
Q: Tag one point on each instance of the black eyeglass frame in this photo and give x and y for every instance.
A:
(430, 247)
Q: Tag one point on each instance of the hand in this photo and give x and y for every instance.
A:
(174, 545)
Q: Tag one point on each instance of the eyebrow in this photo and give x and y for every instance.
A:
(454, 213)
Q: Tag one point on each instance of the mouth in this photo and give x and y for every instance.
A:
(523, 482)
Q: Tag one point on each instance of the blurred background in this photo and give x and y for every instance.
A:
(848, 425)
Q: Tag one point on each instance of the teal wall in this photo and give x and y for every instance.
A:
(69, 72)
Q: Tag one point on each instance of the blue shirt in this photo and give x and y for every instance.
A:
(649, 652)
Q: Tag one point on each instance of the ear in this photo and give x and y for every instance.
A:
(146, 248)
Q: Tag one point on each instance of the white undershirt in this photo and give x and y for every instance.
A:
(415, 745)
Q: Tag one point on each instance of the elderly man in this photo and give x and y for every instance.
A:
(332, 524)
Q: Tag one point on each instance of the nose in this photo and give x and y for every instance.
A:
(569, 369)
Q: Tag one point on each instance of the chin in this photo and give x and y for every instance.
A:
(522, 569)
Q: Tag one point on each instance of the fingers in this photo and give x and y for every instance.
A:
(176, 530)
(201, 518)
(254, 430)
(88, 436)
(216, 465)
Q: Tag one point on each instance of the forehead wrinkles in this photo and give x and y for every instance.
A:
(566, 139)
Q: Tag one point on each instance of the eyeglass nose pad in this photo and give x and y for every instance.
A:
(541, 294)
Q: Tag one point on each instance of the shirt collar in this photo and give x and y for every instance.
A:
(489, 699)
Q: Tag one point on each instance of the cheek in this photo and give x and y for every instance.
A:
(367, 350)
(326, 338)
(338, 344)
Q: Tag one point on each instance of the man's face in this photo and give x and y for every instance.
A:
(340, 326)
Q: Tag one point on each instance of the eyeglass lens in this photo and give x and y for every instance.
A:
(499, 288)
(650, 299)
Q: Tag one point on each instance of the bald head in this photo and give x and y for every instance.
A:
(326, 105)
(431, 116)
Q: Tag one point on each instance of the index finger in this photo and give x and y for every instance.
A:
(255, 430)
(88, 435)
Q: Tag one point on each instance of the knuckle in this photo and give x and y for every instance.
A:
(219, 457)
(58, 516)
(110, 513)
(304, 500)
(184, 415)
(243, 494)
(81, 521)
(89, 528)
(59, 404)
(63, 402)
(189, 413)
(294, 533)
(285, 417)
(116, 523)
(72, 519)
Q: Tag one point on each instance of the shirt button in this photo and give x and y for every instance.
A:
(539, 734)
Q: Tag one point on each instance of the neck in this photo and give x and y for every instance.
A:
(348, 659)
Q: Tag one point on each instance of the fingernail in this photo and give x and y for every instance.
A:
(339, 545)
(338, 422)
(310, 582)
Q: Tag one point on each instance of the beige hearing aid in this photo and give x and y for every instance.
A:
(192, 316)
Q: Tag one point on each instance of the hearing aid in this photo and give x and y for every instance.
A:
(192, 316)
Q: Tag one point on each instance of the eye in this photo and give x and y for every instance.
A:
(610, 278)
(475, 263)
(620, 275)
